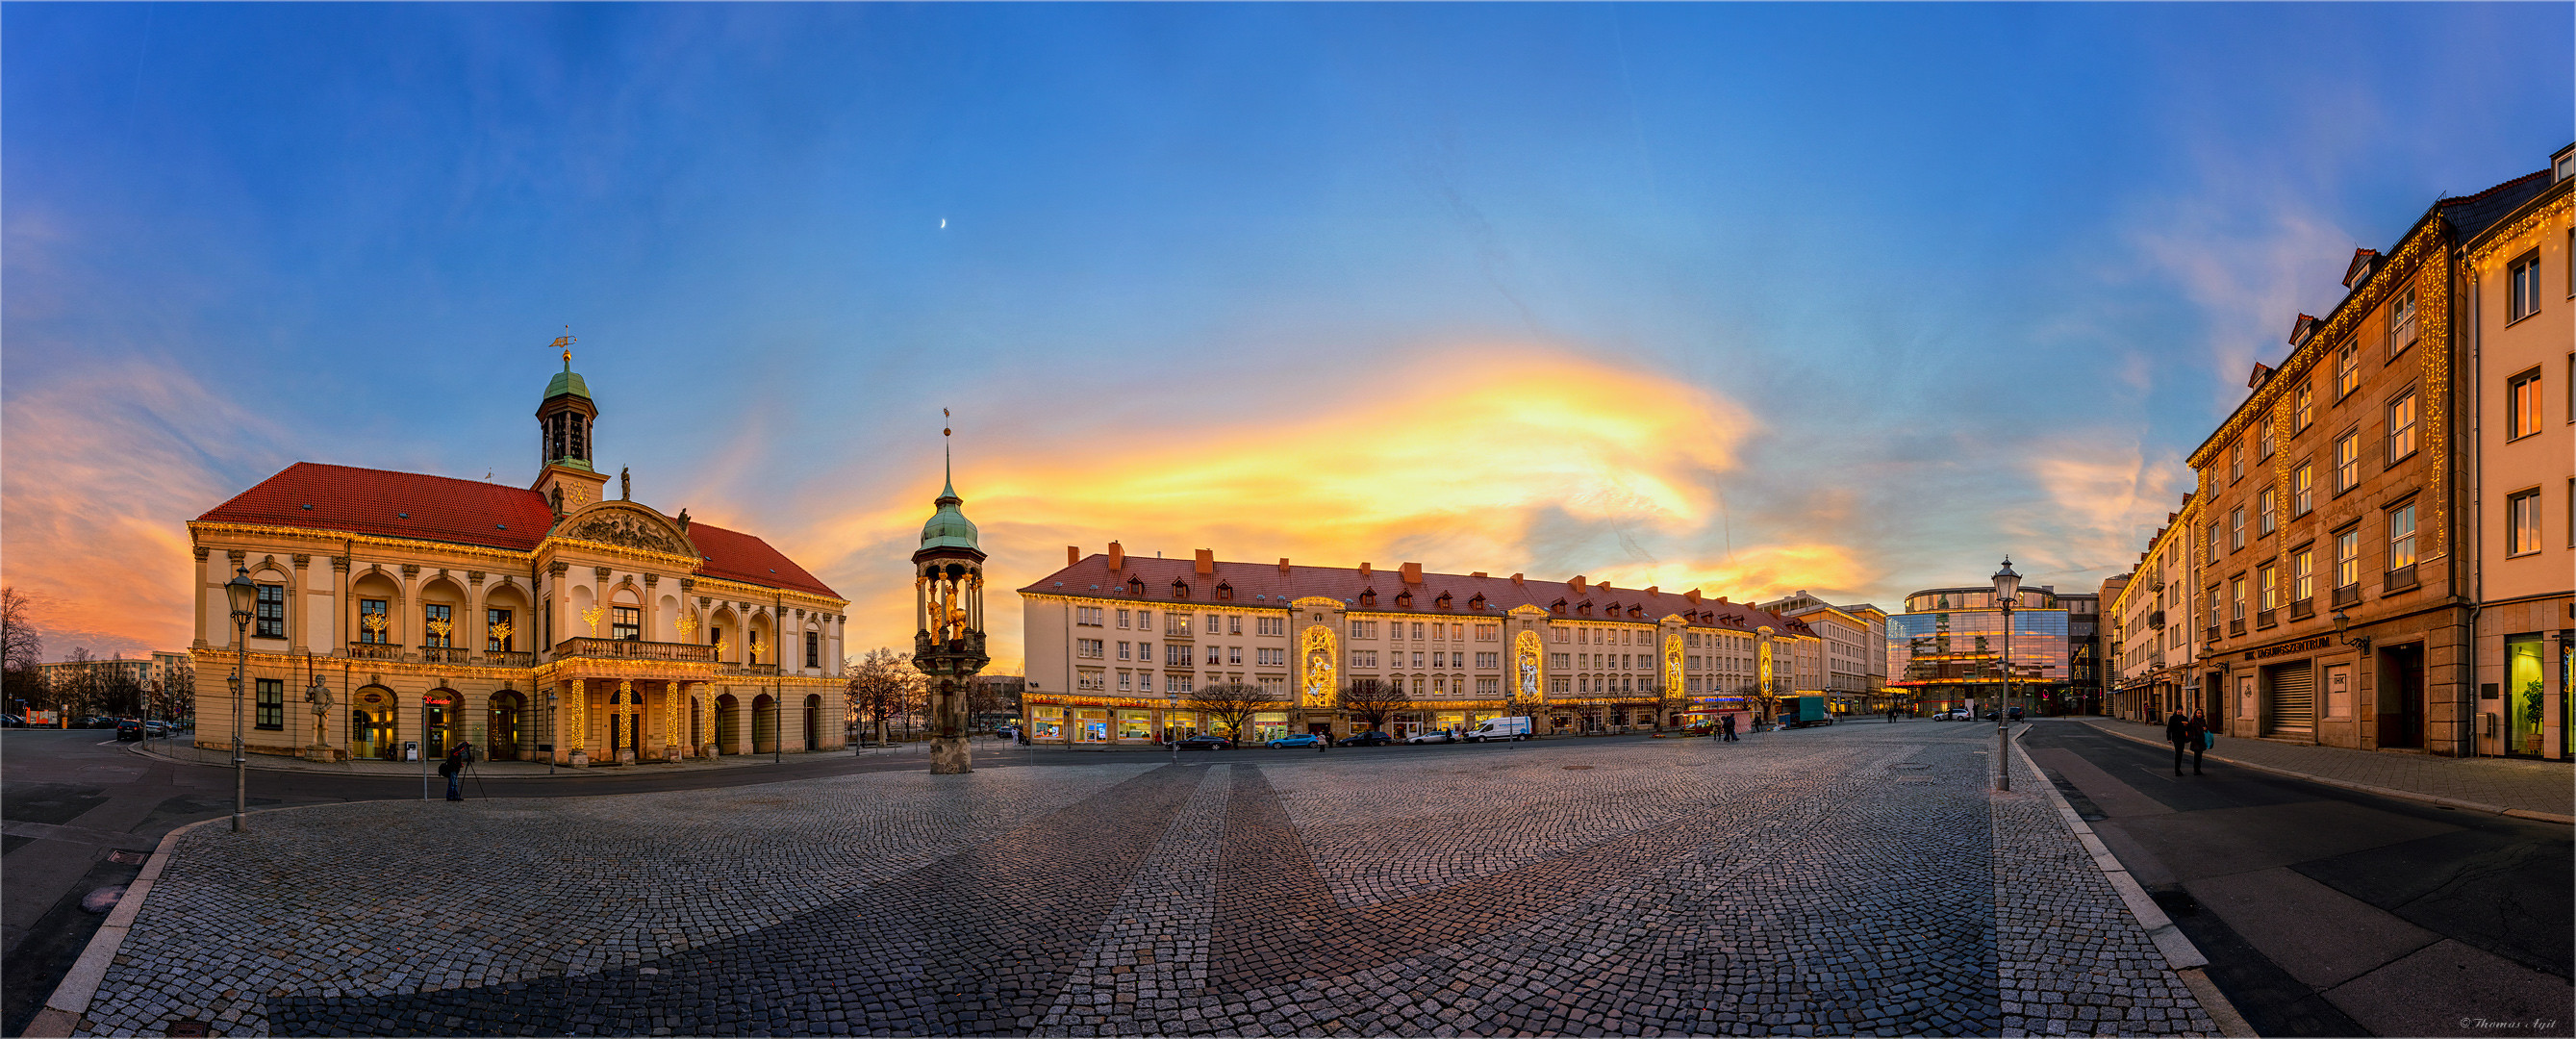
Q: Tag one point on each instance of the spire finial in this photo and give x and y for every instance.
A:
(947, 459)
(564, 343)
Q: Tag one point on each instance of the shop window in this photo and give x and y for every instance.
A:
(2525, 692)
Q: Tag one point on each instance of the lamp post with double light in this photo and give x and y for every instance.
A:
(2007, 593)
(244, 596)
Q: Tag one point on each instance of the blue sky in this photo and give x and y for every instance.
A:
(1853, 298)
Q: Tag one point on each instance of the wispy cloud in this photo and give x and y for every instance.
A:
(2105, 496)
(105, 468)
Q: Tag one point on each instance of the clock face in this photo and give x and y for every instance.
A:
(577, 496)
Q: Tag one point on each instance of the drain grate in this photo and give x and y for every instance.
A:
(1576, 768)
(129, 858)
(185, 1027)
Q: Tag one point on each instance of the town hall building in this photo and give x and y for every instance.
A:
(402, 613)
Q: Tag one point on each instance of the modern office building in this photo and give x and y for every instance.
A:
(399, 613)
(1120, 649)
(1948, 649)
(2084, 647)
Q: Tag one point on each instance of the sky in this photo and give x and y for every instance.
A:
(1852, 299)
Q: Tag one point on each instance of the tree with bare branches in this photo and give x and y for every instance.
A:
(1232, 704)
(1371, 700)
(883, 685)
(24, 648)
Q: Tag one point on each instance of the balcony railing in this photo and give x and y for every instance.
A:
(2302, 609)
(635, 649)
(2347, 595)
(2210, 635)
(375, 651)
(2263, 618)
(2236, 626)
(445, 655)
(2401, 578)
(763, 670)
(2156, 619)
(509, 658)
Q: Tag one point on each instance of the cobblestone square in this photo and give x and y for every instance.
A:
(1856, 879)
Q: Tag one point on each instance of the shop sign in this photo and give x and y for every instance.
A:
(2301, 646)
(434, 699)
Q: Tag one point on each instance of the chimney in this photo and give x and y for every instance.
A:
(1650, 589)
(1478, 573)
(1576, 584)
(1072, 554)
(1207, 562)
(1117, 557)
(1364, 571)
(1412, 573)
(1604, 586)
(1516, 578)
(1692, 595)
(1721, 600)
(1283, 566)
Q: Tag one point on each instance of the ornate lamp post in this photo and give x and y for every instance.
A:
(948, 587)
(2007, 590)
(244, 596)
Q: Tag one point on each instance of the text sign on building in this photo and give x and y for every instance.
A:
(2301, 646)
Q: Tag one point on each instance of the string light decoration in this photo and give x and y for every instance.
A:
(591, 617)
(1315, 648)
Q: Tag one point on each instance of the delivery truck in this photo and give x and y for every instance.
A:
(1500, 729)
(1798, 712)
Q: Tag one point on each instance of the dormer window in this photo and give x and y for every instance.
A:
(1368, 596)
(1477, 603)
(1557, 607)
(1442, 601)
(1180, 589)
(1225, 592)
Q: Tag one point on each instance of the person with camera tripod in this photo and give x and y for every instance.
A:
(454, 769)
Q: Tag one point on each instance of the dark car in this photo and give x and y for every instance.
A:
(2016, 714)
(98, 721)
(1205, 742)
(1367, 738)
(11, 721)
(129, 729)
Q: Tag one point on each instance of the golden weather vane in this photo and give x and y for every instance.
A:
(564, 343)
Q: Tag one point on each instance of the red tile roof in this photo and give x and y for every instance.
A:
(382, 503)
(1262, 585)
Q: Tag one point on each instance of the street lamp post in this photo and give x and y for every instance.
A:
(244, 595)
(2007, 591)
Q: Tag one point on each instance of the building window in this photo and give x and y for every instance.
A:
(2522, 522)
(813, 649)
(2213, 541)
(2306, 412)
(270, 622)
(1122, 618)
(2303, 489)
(2236, 529)
(2303, 571)
(2236, 460)
(2401, 322)
(2522, 405)
(1088, 649)
(1234, 624)
(2347, 370)
(1145, 652)
(1211, 656)
(436, 625)
(626, 622)
(272, 703)
(2401, 428)
(2401, 537)
(2348, 461)
(2267, 581)
(1088, 616)
(2522, 288)
(1123, 651)
(2236, 598)
(1125, 677)
(498, 633)
(2270, 517)
(2264, 437)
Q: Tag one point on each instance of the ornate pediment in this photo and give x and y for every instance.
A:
(628, 526)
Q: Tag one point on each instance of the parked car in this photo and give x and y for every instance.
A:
(156, 729)
(129, 729)
(1512, 728)
(1438, 736)
(1301, 740)
(98, 721)
(2016, 714)
(11, 721)
(1366, 738)
(1203, 741)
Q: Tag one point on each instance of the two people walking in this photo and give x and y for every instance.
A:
(2187, 733)
(1726, 727)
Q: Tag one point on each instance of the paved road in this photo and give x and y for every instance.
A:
(1854, 879)
(2330, 912)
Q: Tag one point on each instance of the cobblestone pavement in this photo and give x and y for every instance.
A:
(1857, 879)
(2535, 786)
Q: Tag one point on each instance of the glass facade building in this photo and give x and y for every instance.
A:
(1948, 647)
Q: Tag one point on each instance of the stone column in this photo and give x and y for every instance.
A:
(949, 753)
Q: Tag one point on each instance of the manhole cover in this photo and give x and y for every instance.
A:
(186, 1028)
(103, 899)
(1576, 768)
(129, 858)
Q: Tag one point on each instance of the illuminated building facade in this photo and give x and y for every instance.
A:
(2154, 638)
(546, 621)
(1118, 646)
(1848, 662)
(1947, 648)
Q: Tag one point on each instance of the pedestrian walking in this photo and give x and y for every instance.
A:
(1726, 727)
(1891, 716)
(2179, 732)
(2198, 731)
(1323, 741)
(454, 769)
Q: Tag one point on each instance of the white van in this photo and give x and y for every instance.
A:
(1500, 729)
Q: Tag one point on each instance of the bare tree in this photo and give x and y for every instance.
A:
(883, 686)
(1232, 704)
(20, 677)
(76, 690)
(1371, 700)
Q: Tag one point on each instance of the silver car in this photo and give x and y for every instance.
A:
(1442, 736)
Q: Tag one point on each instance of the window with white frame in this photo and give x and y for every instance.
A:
(2401, 322)
(2348, 461)
(2306, 411)
(2270, 513)
(2348, 557)
(2522, 522)
(2522, 287)
(2401, 536)
(2347, 369)
(2401, 428)
(2303, 489)
(1088, 649)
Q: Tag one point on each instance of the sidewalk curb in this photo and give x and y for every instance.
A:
(64, 1010)
(2410, 795)
(562, 772)
(2180, 954)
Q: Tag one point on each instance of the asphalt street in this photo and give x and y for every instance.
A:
(81, 813)
(2330, 912)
